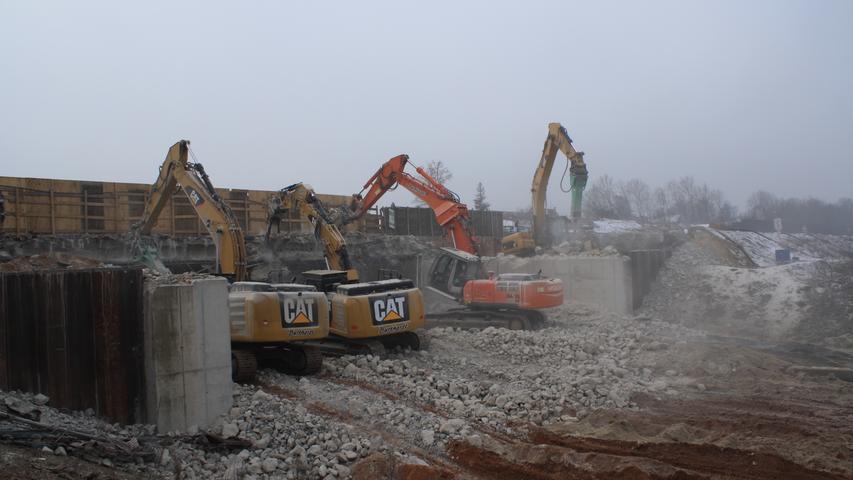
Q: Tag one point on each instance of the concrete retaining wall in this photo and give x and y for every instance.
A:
(601, 281)
(187, 354)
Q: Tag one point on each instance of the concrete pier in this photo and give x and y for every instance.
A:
(187, 354)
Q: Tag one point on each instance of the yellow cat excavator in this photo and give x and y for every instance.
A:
(524, 243)
(214, 213)
(365, 316)
(268, 322)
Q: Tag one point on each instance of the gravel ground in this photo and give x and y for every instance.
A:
(523, 404)
(468, 386)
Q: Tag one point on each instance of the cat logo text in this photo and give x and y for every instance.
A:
(194, 196)
(389, 309)
(297, 311)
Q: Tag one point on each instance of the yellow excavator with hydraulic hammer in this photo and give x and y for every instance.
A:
(269, 323)
(215, 214)
(525, 243)
(365, 316)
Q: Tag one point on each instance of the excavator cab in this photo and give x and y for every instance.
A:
(451, 271)
(519, 244)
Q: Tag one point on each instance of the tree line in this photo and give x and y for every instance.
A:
(683, 200)
(687, 201)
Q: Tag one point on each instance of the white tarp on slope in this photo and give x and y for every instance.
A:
(607, 225)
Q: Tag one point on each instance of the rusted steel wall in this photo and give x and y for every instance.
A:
(645, 265)
(75, 336)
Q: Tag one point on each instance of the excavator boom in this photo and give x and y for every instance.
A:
(214, 213)
(450, 213)
(301, 198)
(558, 140)
(456, 273)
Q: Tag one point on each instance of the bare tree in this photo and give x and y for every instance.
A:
(692, 202)
(799, 214)
(762, 205)
(728, 212)
(639, 196)
(480, 202)
(662, 205)
(605, 200)
(439, 171)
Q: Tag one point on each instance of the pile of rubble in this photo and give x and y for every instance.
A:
(284, 438)
(49, 261)
(498, 377)
(828, 316)
(701, 289)
(262, 435)
(155, 278)
(27, 420)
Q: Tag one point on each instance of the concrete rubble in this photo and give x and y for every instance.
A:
(714, 361)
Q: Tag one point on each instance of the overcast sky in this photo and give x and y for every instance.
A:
(743, 95)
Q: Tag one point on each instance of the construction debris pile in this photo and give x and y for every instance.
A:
(708, 289)
(282, 437)
(49, 261)
(704, 369)
(498, 377)
(27, 420)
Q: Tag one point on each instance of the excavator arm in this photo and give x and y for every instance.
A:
(558, 140)
(214, 213)
(301, 198)
(450, 213)
(456, 273)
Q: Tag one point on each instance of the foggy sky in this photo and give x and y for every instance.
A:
(740, 94)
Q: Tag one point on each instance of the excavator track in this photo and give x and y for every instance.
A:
(300, 360)
(244, 366)
(402, 340)
(373, 347)
(477, 319)
(337, 346)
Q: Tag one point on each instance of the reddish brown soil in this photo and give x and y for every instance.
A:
(379, 466)
(807, 432)
(709, 459)
(422, 472)
(493, 465)
(797, 435)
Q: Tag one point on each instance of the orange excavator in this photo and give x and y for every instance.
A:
(509, 300)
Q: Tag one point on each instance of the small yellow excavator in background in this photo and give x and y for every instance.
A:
(268, 322)
(367, 316)
(525, 243)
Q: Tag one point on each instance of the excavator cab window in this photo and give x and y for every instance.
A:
(460, 274)
(440, 276)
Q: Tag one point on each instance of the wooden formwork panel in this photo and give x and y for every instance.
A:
(50, 206)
